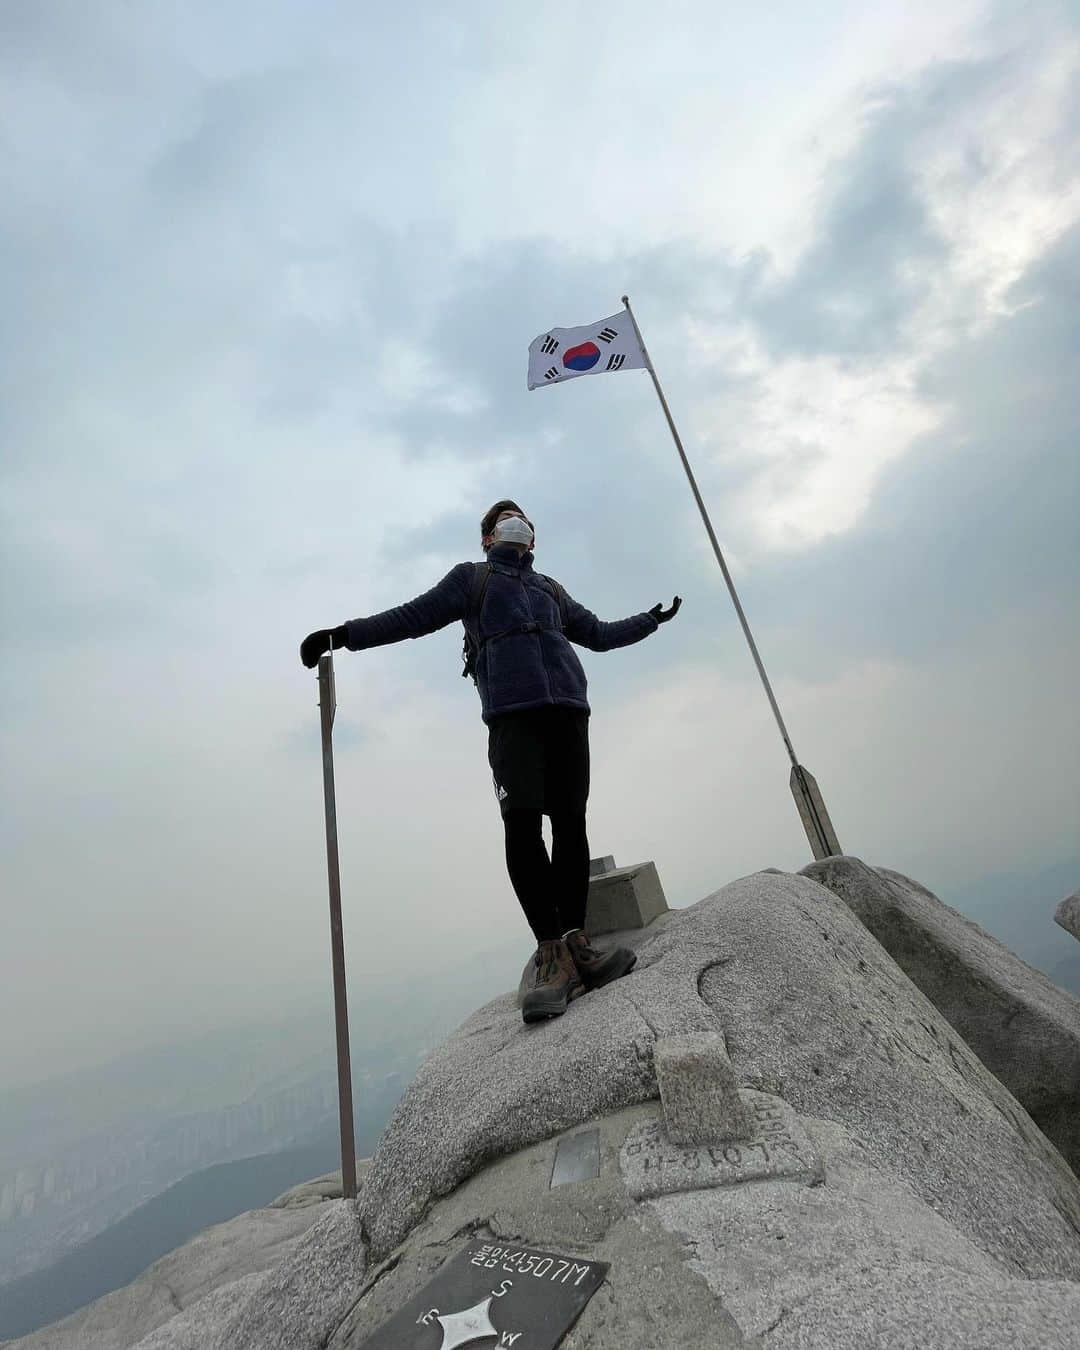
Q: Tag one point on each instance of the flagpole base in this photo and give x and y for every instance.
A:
(814, 816)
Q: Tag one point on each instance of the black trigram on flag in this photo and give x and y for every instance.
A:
(560, 354)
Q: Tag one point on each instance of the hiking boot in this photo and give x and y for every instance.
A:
(598, 968)
(553, 981)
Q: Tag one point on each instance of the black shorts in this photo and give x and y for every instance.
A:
(539, 759)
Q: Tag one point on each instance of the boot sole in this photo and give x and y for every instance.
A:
(617, 971)
(544, 1010)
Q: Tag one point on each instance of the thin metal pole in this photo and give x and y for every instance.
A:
(712, 536)
(327, 708)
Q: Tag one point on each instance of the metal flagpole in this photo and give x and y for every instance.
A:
(327, 708)
(808, 799)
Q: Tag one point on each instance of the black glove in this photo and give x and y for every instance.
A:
(322, 640)
(661, 615)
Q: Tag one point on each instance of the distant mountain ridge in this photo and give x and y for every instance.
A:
(1014, 906)
(117, 1255)
(80, 1186)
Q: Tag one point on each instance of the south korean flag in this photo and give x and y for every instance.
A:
(565, 353)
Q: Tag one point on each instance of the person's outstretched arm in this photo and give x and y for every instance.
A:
(428, 613)
(584, 628)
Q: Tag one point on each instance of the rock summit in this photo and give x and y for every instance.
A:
(798, 1123)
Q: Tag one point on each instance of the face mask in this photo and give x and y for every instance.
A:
(514, 530)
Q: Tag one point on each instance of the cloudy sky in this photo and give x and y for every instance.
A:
(270, 273)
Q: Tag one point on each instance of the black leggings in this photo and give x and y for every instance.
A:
(552, 891)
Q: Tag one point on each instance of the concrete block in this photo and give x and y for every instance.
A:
(1067, 914)
(629, 897)
(698, 1090)
(778, 1148)
(598, 866)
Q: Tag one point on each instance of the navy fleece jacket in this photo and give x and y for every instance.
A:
(516, 669)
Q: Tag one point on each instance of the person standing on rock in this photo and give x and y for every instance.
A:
(519, 626)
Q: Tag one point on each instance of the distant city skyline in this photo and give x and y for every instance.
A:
(80, 1150)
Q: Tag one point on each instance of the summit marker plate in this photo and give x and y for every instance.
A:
(576, 1159)
(494, 1297)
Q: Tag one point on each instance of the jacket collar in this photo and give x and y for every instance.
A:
(507, 556)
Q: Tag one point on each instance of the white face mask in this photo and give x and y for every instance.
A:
(514, 530)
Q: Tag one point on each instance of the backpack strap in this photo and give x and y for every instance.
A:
(470, 648)
(560, 597)
(480, 579)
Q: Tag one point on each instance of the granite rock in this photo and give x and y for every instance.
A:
(314, 1192)
(1067, 914)
(496, 1084)
(294, 1306)
(240, 1248)
(1020, 1024)
(841, 1255)
(813, 1009)
(859, 1261)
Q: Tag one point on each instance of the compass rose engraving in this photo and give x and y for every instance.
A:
(539, 1296)
(463, 1328)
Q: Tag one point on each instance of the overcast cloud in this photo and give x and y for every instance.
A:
(271, 272)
